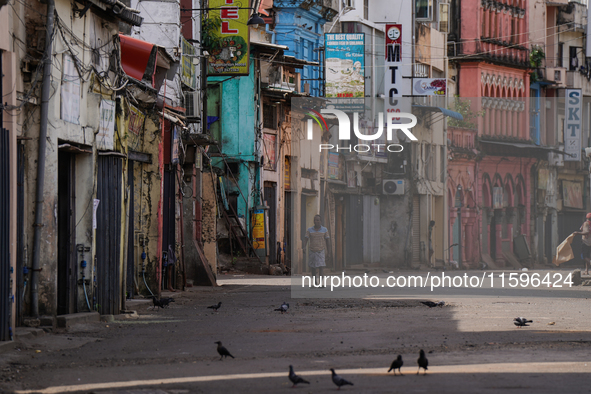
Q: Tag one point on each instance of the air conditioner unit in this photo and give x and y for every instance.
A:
(192, 107)
(393, 187)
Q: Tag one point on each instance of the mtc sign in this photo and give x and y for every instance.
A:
(572, 124)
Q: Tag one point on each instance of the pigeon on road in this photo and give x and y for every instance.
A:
(283, 308)
(396, 364)
(215, 307)
(295, 379)
(432, 304)
(223, 351)
(422, 361)
(336, 379)
(522, 322)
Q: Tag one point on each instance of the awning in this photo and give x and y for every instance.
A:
(135, 55)
(146, 62)
(444, 111)
(520, 145)
(269, 45)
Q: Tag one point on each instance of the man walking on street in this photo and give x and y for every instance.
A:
(586, 246)
(319, 246)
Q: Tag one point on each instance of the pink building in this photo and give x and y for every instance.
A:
(491, 159)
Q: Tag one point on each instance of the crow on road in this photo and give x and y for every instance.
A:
(215, 307)
(166, 301)
(396, 364)
(157, 302)
(223, 351)
(295, 379)
(283, 308)
(432, 304)
(422, 361)
(336, 379)
(521, 322)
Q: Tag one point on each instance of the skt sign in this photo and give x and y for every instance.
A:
(572, 124)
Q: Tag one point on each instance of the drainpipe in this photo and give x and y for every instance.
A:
(41, 158)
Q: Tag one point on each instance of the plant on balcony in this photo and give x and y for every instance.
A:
(535, 61)
(464, 107)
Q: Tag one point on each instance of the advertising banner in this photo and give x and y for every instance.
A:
(188, 72)
(232, 56)
(429, 86)
(345, 65)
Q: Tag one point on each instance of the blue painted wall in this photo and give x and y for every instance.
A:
(292, 29)
(238, 136)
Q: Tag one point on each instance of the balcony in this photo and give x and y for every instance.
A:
(579, 80)
(556, 75)
(461, 140)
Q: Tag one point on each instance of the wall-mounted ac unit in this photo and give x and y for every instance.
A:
(393, 187)
(192, 107)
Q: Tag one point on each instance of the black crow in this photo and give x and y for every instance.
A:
(166, 301)
(336, 379)
(295, 379)
(215, 307)
(521, 322)
(223, 351)
(157, 303)
(283, 308)
(432, 304)
(422, 361)
(396, 364)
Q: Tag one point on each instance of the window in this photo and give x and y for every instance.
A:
(444, 19)
(269, 117)
(560, 54)
(365, 9)
(424, 10)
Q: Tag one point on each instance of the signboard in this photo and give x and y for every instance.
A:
(287, 174)
(572, 124)
(70, 91)
(572, 194)
(188, 72)
(398, 64)
(135, 127)
(95, 204)
(258, 229)
(269, 146)
(429, 87)
(345, 65)
(175, 145)
(333, 165)
(104, 137)
(232, 57)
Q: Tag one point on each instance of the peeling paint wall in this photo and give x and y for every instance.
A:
(209, 226)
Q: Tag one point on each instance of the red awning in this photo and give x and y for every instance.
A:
(135, 57)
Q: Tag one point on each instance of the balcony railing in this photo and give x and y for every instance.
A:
(461, 139)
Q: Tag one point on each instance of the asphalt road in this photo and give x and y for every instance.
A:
(471, 343)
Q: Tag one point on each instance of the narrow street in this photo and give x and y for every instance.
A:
(471, 343)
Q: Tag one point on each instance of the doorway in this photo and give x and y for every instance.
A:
(271, 201)
(67, 271)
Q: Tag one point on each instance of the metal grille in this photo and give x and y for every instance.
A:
(108, 235)
(4, 236)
